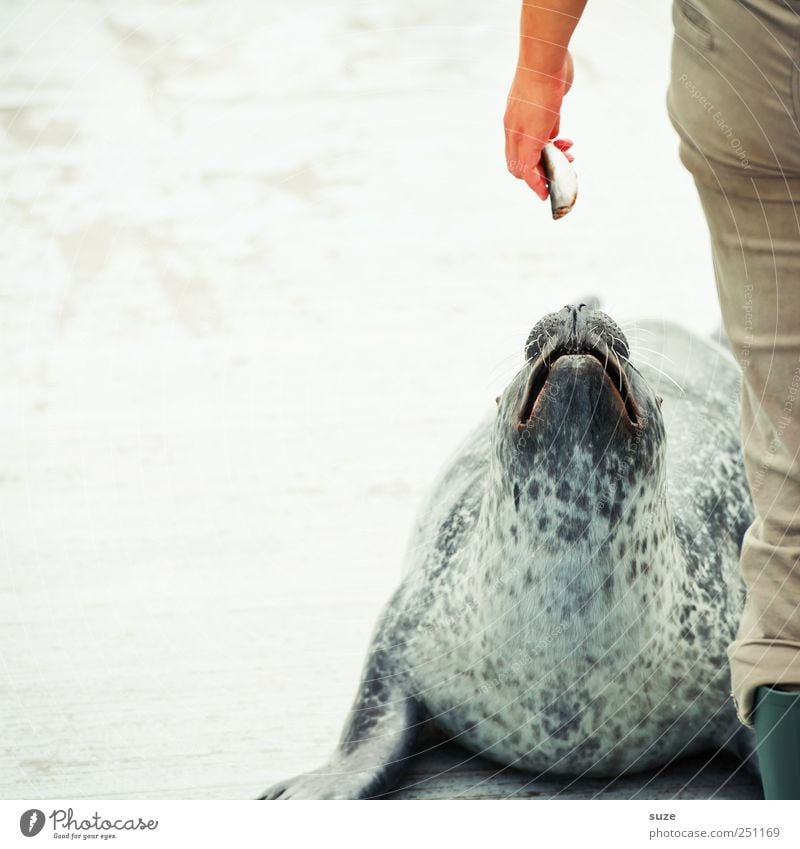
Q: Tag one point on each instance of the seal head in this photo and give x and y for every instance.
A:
(579, 406)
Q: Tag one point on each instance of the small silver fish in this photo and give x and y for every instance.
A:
(562, 180)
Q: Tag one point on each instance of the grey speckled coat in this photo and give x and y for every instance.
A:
(572, 581)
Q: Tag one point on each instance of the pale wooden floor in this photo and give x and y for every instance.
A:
(259, 272)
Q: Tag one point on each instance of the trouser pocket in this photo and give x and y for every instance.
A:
(733, 90)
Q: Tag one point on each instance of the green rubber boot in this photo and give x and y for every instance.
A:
(777, 726)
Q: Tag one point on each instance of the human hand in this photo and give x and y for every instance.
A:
(533, 117)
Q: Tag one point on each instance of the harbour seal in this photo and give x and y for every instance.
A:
(572, 582)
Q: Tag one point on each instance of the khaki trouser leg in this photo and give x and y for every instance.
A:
(757, 259)
(733, 99)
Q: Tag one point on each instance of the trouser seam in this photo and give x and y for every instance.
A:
(795, 80)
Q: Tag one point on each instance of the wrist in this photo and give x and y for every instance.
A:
(545, 30)
(537, 56)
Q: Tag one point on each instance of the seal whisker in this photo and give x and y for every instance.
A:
(636, 325)
(654, 351)
(622, 348)
(664, 374)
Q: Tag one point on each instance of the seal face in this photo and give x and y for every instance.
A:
(572, 581)
(579, 425)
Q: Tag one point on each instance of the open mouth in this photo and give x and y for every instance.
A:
(614, 379)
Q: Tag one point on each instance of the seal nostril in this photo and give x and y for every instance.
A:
(575, 324)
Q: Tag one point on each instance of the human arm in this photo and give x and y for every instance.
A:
(542, 78)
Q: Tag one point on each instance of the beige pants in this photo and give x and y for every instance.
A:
(734, 99)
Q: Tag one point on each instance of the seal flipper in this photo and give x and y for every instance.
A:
(376, 741)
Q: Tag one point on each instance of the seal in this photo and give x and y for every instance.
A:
(572, 581)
